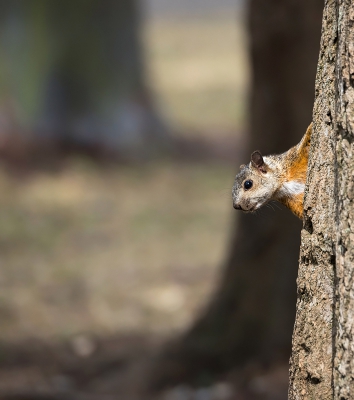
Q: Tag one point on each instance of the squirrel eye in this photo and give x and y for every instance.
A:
(248, 184)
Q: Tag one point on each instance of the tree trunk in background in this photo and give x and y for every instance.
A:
(322, 364)
(71, 72)
(251, 315)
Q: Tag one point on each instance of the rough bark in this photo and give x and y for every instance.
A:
(251, 314)
(310, 373)
(322, 363)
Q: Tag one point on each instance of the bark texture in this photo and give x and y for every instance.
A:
(322, 363)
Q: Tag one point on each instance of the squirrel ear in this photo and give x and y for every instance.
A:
(257, 161)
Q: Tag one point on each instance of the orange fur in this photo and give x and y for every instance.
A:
(297, 171)
(295, 204)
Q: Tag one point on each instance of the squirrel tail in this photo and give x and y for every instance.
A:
(303, 147)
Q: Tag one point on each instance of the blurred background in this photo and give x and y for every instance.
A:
(125, 273)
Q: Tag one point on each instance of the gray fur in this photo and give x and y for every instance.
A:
(264, 189)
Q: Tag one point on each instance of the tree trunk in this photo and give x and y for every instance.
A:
(252, 313)
(322, 364)
(71, 72)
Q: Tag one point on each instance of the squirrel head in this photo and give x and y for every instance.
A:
(255, 184)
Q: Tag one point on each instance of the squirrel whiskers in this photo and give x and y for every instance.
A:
(276, 177)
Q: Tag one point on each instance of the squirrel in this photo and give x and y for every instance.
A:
(276, 177)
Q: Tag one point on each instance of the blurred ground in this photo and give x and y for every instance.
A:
(110, 250)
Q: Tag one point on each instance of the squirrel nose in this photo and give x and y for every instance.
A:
(237, 207)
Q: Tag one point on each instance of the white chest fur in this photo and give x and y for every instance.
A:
(292, 188)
